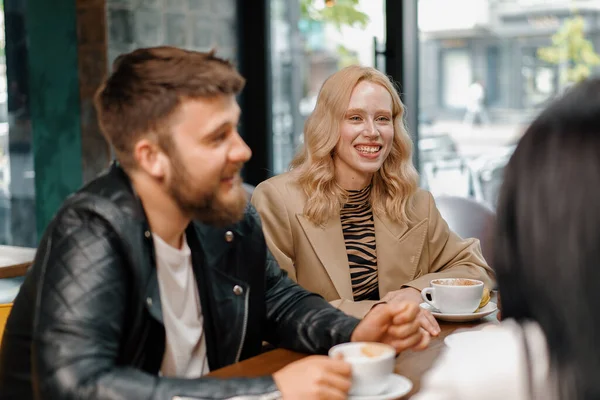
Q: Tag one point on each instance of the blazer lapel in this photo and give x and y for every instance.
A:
(328, 243)
(390, 228)
(398, 251)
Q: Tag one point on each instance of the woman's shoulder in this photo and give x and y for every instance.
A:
(285, 183)
(420, 203)
(487, 363)
(284, 186)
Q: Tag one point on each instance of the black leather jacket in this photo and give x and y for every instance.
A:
(87, 323)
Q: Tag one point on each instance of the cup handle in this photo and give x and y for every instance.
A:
(425, 292)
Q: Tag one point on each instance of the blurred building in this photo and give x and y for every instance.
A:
(495, 42)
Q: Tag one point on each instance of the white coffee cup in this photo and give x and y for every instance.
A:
(372, 365)
(454, 295)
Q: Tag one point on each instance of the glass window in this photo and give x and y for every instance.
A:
(17, 190)
(487, 67)
(310, 40)
(456, 75)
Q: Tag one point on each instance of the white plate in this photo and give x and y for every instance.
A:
(453, 339)
(487, 310)
(398, 386)
(472, 335)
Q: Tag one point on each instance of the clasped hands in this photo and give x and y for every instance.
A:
(427, 321)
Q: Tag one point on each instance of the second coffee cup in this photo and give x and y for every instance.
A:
(454, 295)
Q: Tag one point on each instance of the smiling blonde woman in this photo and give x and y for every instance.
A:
(348, 220)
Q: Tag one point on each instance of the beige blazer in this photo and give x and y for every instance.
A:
(408, 254)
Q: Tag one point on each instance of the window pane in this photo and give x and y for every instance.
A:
(307, 46)
(17, 189)
(487, 67)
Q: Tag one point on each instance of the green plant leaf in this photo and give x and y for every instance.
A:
(570, 47)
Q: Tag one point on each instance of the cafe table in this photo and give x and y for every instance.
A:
(410, 364)
(14, 262)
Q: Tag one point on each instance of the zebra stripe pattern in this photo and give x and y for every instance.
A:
(359, 235)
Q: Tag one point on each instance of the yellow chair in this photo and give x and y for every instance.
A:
(9, 287)
(4, 311)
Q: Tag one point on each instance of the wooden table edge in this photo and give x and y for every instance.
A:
(16, 270)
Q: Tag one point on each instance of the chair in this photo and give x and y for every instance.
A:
(9, 287)
(469, 219)
(4, 312)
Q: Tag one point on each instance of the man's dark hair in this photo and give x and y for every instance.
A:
(147, 86)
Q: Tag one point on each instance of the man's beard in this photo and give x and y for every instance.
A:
(205, 205)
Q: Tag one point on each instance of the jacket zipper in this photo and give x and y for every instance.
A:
(244, 327)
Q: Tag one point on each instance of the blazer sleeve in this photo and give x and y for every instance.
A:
(451, 256)
(276, 225)
(357, 309)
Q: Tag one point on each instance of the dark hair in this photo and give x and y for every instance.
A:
(548, 237)
(147, 86)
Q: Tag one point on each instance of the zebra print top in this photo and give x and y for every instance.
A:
(359, 235)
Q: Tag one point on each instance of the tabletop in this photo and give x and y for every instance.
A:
(15, 260)
(411, 364)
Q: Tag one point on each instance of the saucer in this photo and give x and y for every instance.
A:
(487, 310)
(398, 386)
(468, 336)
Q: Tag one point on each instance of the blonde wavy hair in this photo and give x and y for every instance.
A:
(393, 184)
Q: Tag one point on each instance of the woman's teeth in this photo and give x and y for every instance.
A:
(368, 149)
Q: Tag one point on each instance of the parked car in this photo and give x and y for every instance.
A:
(488, 174)
(440, 152)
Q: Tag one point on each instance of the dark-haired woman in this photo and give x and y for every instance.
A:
(547, 266)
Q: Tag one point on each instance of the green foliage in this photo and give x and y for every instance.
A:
(346, 56)
(571, 49)
(339, 13)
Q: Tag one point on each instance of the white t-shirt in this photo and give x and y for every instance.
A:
(185, 347)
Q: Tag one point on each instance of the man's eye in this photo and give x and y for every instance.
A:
(220, 137)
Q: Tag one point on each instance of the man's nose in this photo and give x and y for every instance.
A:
(240, 152)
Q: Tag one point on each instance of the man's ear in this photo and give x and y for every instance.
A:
(151, 158)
